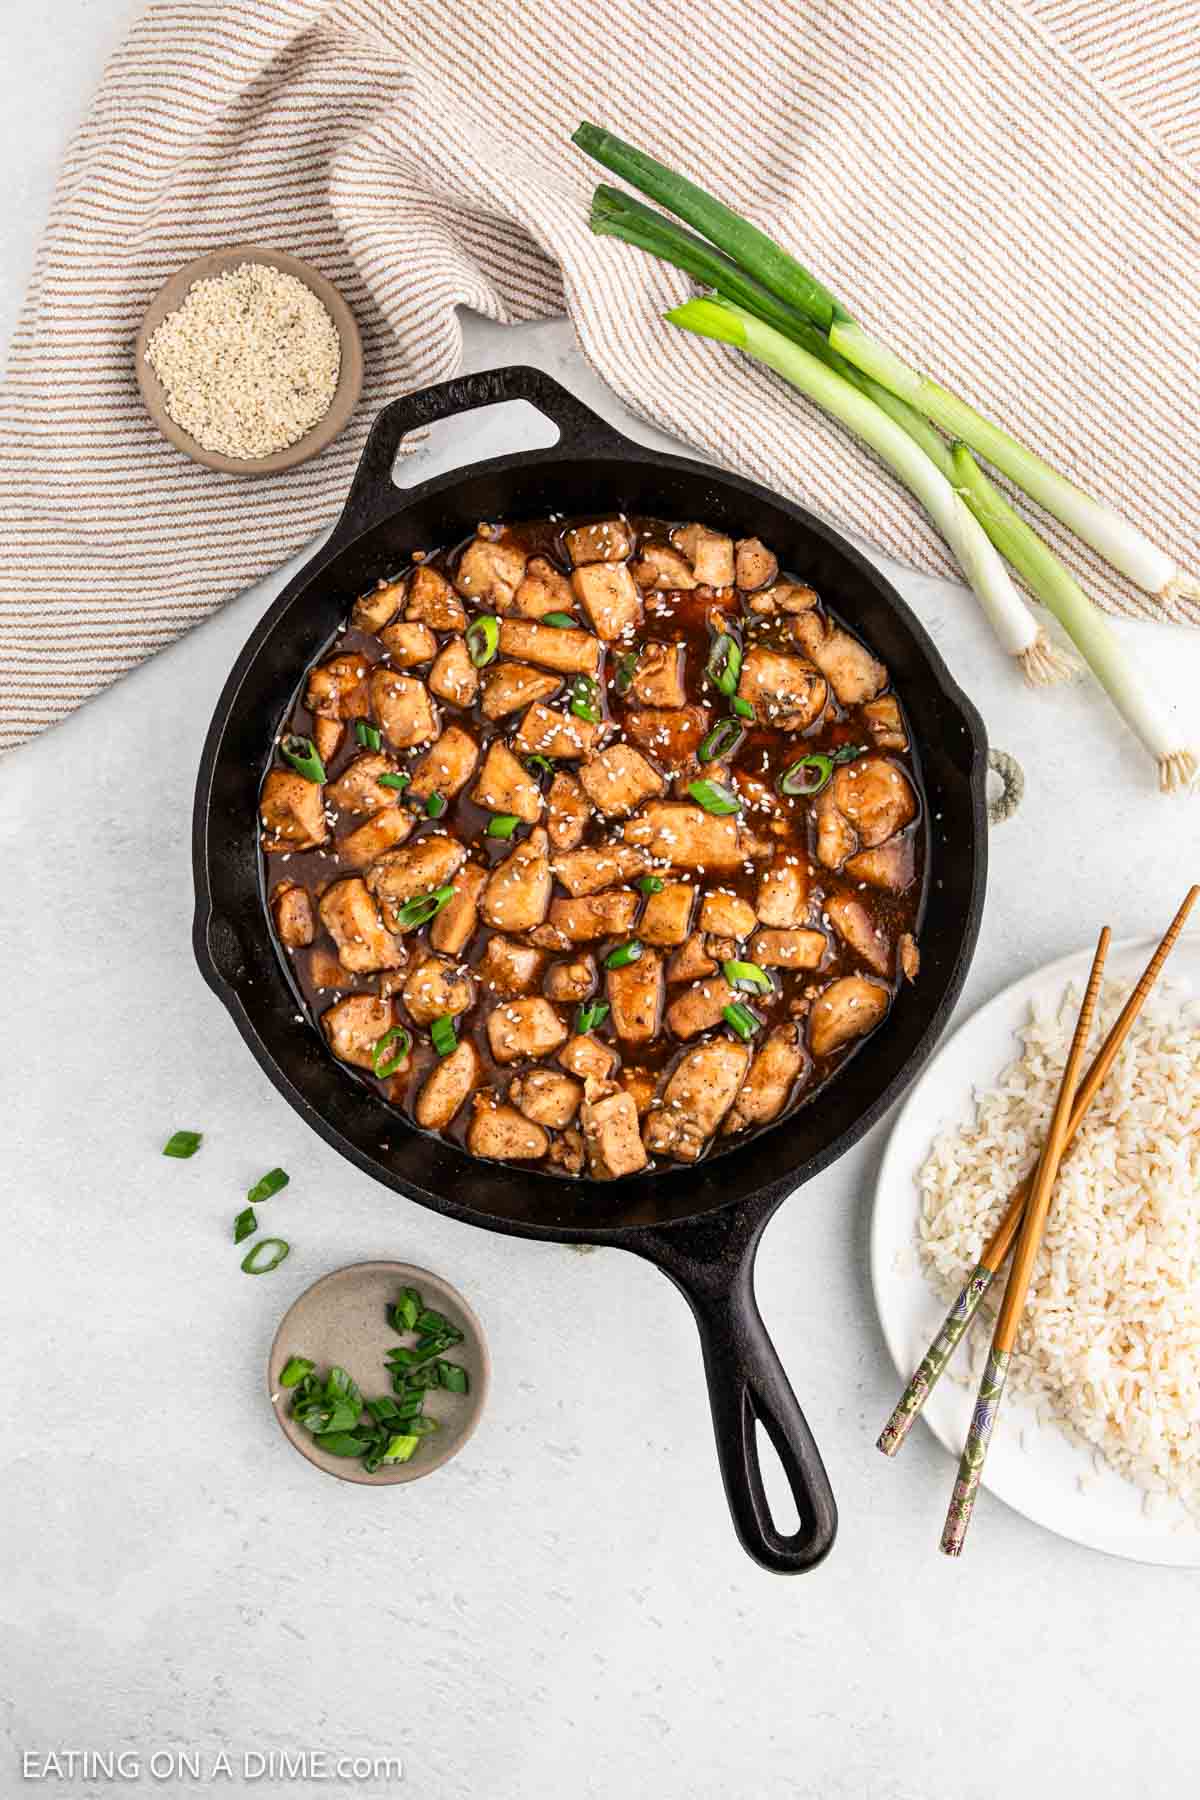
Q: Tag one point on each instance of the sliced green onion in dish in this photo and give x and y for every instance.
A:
(747, 975)
(741, 707)
(589, 1015)
(368, 735)
(401, 1449)
(273, 1182)
(725, 659)
(483, 639)
(443, 1035)
(399, 782)
(539, 764)
(245, 1225)
(406, 1310)
(563, 621)
(808, 776)
(338, 1443)
(294, 1370)
(625, 670)
(714, 797)
(453, 1378)
(585, 699)
(726, 737)
(740, 1019)
(264, 1256)
(183, 1144)
(652, 884)
(420, 910)
(502, 825)
(301, 752)
(391, 1052)
(435, 806)
(624, 954)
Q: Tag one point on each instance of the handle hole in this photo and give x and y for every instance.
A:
(780, 1498)
(501, 429)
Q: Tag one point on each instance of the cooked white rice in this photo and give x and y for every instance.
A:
(1110, 1340)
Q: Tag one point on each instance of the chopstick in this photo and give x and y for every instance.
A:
(925, 1375)
(995, 1373)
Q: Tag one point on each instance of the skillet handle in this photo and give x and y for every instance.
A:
(373, 494)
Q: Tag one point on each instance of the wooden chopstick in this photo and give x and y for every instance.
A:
(925, 1375)
(995, 1373)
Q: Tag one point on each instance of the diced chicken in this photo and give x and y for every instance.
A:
(507, 968)
(502, 1133)
(490, 571)
(785, 597)
(658, 679)
(596, 916)
(686, 836)
(835, 835)
(573, 980)
(611, 1135)
(667, 914)
(618, 780)
(509, 686)
(608, 540)
(292, 809)
(699, 1092)
(446, 766)
(776, 1068)
(505, 786)
(432, 601)
(567, 651)
(599, 866)
(909, 956)
(518, 890)
(409, 644)
(755, 566)
(885, 722)
(782, 896)
(691, 962)
(325, 970)
(787, 949)
(382, 831)
(437, 989)
(566, 1151)
(447, 1086)
(588, 1058)
(402, 705)
(454, 677)
(358, 790)
(327, 735)
(784, 691)
(546, 1097)
(636, 994)
(543, 590)
(856, 928)
(454, 927)
(336, 689)
(642, 1085)
(292, 911)
(400, 875)
(854, 674)
(567, 811)
(559, 735)
(889, 866)
(374, 609)
(848, 1008)
(727, 915)
(700, 1006)
(875, 796)
(524, 1028)
(351, 918)
(610, 597)
(671, 736)
(709, 552)
(355, 1025)
(661, 567)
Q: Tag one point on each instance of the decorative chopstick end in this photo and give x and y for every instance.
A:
(970, 1468)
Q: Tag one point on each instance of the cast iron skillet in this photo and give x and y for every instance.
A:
(701, 1225)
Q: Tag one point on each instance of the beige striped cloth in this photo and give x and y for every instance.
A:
(1007, 192)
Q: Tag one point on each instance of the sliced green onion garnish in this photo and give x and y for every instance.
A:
(400, 1449)
(585, 699)
(741, 707)
(593, 1013)
(714, 797)
(808, 776)
(747, 975)
(435, 806)
(563, 621)
(422, 909)
(742, 1020)
(725, 663)
(294, 1371)
(502, 825)
(406, 1310)
(368, 735)
(245, 1225)
(539, 765)
(399, 782)
(483, 639)
(724, 738)
(624, 954)
(301, 752)
(271, 1183)
(183, 1143)
(452, 1377)
(848, 752)
(443, 1035)
(652, 884)
(275, 1249)
(625, 671)
(384, 1060)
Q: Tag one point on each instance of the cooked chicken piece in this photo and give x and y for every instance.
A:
(355, 1025)
(588, 1058)
(382, 831)
(573, 980)
(327, 735)
(351, 918)
(374, 609)
(909, 956)
(691, 962)
(709, 552)
(755, 566)
(509, 686)
(454, 927)
(772, 948)
(292, 911)
(326, 973)
(686, 836)
(504, 785)
(502, 1133)
(854, 675)
(546, 1097)
(569, 652)
(490, 571)
(784, 691)
(642, 1085)
(507, 968)
(567, 811)
(723, 913)
(336, 690)
(666, 915)
(721, 949)
(292, 809)
(518, 889)
(596, 916)
(400, 875)
(784, 596)
(566, 1151)
(446, 766)
(408, 644)
(848, 1008)
(876, 798)
(618, 780)
(454, 677)
(610, 1132)
(835, 836)
(782, 895)
(661, 567)
(599, 866)
(447, 1086)
(437, 989)
(636, 994)
(885, 723)
(889, 865)
(773, 1074)
(608, 540)
(701, 1089)
(658, 679)
(529, 1028)
(855, 926)
(545, 732)
(543, 590)
(670, 735)
(700, 1006)
(402, 705)
(609, 596)
(432, 601)
(357, 788)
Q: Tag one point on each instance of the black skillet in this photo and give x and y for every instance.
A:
(701, 1225)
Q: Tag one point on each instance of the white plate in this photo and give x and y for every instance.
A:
(1032, 1468)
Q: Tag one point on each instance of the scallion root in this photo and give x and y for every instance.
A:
(1177, 772)
(1044, 664)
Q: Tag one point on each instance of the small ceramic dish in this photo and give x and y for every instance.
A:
(345, 397)
(343, 1319)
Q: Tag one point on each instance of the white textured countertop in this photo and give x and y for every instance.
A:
(563, 1610)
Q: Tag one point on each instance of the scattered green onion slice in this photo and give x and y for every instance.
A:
(183, 1144)
(368, 735)
(624, 954)
(848, 752)
(275, 1248)
(808, 776)
(741, 707)
(483, 639)
(591, 1014)
(245, 1225)
(652, 884)
(585, 699)
(443, 1035)
(725, 663)
(747, 975)
(625, 671)
(725, 737)
(421, 909)
(714, 797)
(301, 752)
(539, 765)
(271, 1183)
(435, 806)
(294, 1371)
(399, 782)
(502, 825)
(563, 621)
(386, 1064)
(742, 1020)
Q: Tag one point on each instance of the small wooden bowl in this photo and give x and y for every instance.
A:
(345, 397)
(342, 1319)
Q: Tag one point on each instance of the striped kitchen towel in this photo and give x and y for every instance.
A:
(1007, 191)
